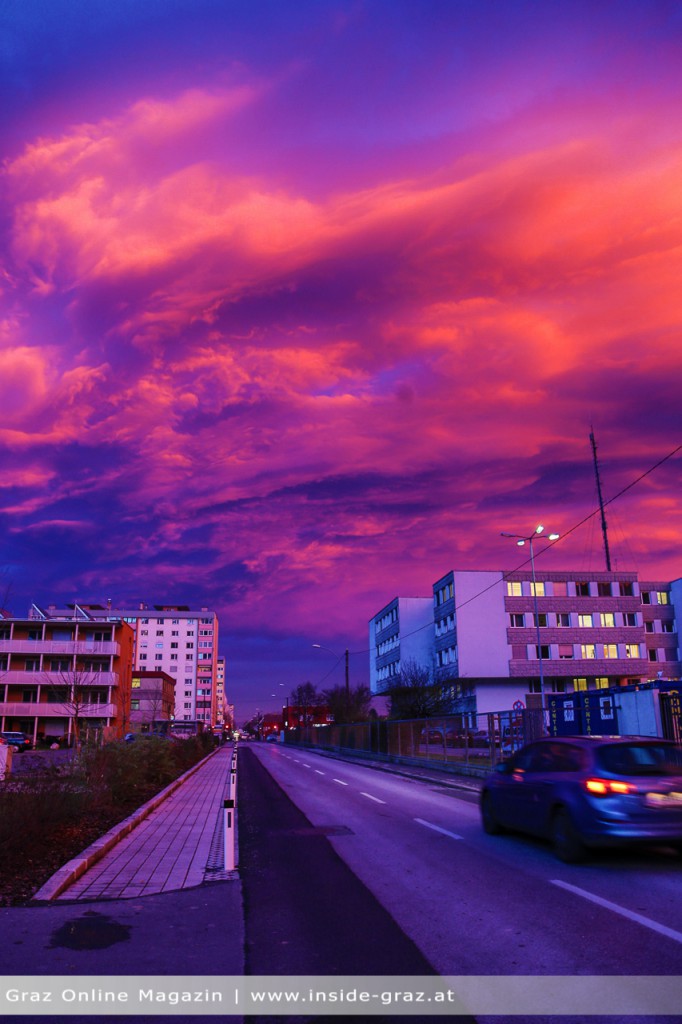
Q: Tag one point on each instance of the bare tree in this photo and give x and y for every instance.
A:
(75, 690)
(348, 707)
(414, 694)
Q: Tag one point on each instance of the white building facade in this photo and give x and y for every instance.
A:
(497, 637)
(181, 642)
(400, 633)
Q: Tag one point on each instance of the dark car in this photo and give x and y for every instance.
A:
(17, 740)
(589, 791)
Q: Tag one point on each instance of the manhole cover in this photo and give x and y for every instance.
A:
(321, 830)
(92, 931)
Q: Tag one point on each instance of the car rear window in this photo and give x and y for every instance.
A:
(641, 759)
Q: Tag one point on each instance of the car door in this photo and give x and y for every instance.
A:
(534, 779)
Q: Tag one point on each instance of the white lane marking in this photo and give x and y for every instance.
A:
(437, 828)
(306, 765)
(296, 761)
(670, 933)
(318, 772)
(340, 782)
(375, 798)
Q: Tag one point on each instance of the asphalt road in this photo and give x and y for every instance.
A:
(305, 911)
(486, 905)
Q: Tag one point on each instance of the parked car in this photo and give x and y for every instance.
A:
(589, 791)
(16, 740)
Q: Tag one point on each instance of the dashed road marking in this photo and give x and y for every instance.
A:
(375, 798)
(670, 933)
(340, 782)
(437, 828)
(318, 772)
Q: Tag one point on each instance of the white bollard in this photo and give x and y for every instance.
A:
(229, 829)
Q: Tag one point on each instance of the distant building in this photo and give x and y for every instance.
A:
(596, 630)
(62, 673)
(221, 704)
(179, 641)
(152, 700)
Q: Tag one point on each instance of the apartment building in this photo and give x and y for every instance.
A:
(500, 637)
(400, 633)
(65, 674)
(152, 700)
(180, 642)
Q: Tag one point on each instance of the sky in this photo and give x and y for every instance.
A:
(302, 304)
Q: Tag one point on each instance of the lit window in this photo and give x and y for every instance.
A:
(537, 589)
(607, 619)
(662, 596)
(588, 651)
(610, 650)
(513, 589)
(585, 621)
(632, 651)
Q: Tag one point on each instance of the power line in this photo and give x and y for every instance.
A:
(505, 576)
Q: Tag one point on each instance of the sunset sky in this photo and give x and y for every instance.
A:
(302, 303)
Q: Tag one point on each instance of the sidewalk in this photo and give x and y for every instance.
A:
(99, 925)
(178, 845)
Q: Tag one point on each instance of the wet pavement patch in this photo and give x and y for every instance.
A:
(92, 931)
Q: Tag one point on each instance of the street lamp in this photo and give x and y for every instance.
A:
(521, 541)
(321, 648)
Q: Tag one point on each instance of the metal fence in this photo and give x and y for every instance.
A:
(471, 744)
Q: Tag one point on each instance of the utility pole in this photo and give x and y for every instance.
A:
(601, 501)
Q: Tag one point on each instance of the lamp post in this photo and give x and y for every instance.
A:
(521, 541)
(321, 648)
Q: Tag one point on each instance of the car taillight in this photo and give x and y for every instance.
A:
(608, 787)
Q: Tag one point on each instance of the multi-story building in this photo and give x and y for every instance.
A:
(152, 700)
(402, 632)
(62, 675)
(179, 641)
(499, 638)
(221, 706)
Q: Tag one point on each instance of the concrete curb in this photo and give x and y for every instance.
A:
(73, 869)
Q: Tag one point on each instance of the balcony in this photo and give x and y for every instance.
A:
(17, 677)
(66, 648)
(45, 710)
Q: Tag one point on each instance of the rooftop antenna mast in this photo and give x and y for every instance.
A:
(601, 501)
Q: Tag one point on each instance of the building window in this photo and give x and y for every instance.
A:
(560, 589)
(630, 619)
(610, 650)
(517, 621)
(604, 589)
(646, 597)
(580, 684)
(602, 683)
(134, 705)
(653, 655)
(585, 621)
(588, 651)
(627, 589)
(158, 657)
(563, 619)
(662, 596)
(143, 657)
(607, 619)
(513, 588)
(537, 589)
(565, 650)
(540, 620)
(582, 589)
(649, 627)
(632, 651)
(542, 652)
(667, 627)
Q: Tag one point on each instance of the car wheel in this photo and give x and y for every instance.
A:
(490, 823)
(566, 841)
